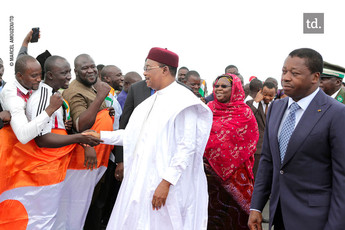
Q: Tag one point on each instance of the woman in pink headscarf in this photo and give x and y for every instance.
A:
(229, 155)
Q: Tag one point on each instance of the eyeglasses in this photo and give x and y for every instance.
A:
(148, 68)
(223, 86)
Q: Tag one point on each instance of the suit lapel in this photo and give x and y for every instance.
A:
(311, 116)
(276, 114)
(262, 113)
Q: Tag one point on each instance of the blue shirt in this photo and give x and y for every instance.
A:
(121, 98)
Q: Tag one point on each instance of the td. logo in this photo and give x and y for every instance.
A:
(313, 23)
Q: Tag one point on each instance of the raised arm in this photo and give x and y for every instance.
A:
(87, 118)
(25, 45)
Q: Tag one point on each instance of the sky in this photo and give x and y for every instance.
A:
(256, 36)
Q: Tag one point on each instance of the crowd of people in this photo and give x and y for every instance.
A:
(114, 151)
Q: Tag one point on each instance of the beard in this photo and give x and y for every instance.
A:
(86, 82)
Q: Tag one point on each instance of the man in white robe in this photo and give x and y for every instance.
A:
(164, 185)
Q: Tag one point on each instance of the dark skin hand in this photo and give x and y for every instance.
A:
(111, 111)
(92, 133)
(259, 96)
(54, 104)
(160, 195)
(255, 220)
(28, 37)
(90, 155)
(5, 116)
(119, 171)
(53, 140)
(69, 125)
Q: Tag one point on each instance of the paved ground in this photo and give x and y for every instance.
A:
(265, 215)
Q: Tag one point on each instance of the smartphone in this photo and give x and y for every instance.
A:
(36, 32)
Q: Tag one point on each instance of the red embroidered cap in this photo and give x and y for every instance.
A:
(163, 56)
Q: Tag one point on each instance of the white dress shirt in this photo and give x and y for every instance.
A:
(336, 93)
(256, 105)
(303, 103)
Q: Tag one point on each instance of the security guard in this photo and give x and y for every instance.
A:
(331, 81)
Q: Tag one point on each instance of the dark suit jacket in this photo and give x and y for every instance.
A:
(261, 120)
(310, 183)
(137, 93)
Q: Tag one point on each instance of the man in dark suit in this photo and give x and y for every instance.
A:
(137, 93)
(303, 173)
(259, 105)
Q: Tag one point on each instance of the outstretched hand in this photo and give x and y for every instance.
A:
(92, 133)
(89, 140)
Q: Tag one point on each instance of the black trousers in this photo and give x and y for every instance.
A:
(103, 200)
(278, 221)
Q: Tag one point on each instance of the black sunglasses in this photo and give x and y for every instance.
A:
(223, 86)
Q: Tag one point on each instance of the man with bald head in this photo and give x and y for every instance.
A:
(57, 76)
(14, 97)
(129, 79)
(113, 76)
(88, 111)
(34, 164)
(85, 98)
(23, 170)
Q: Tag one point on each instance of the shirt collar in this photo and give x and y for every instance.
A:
(336, 93)
(263, 103)
(47, 86)
(304, 102)
(166, 89)
(20, 87)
